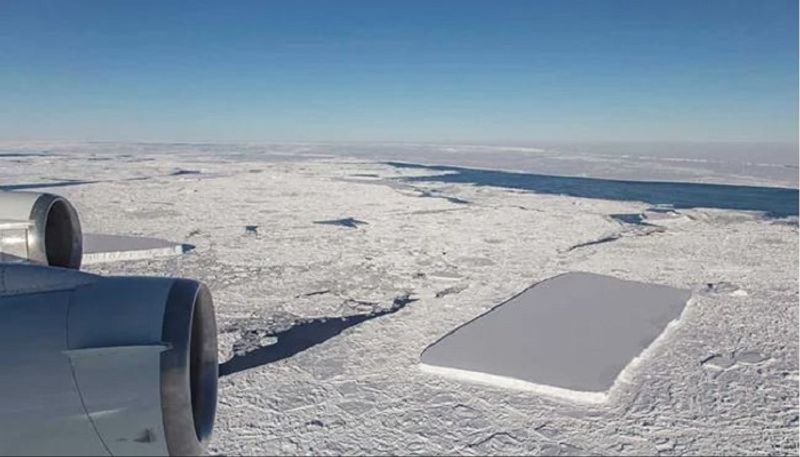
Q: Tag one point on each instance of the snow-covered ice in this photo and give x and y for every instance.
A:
(723, 381)
(99, 248)
(571, 335)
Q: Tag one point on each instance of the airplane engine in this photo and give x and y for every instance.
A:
(97, 365)
(94, 365)
(41, 228)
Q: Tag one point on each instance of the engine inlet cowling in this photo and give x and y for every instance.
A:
(41, 228)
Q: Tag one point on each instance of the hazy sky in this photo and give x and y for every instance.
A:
(399, 70)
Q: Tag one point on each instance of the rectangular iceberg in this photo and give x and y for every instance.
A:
(570, 335)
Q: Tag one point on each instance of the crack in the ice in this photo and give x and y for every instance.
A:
(425, 193)
(303, 335)
(348, 222)
(642, 229)
(605, 239)
(311, 294)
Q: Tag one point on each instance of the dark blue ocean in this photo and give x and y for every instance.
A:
(774, 202)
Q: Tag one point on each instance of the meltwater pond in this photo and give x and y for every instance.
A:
(775, 202)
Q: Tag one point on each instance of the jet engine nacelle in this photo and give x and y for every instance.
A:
(93, 365)
(97, 365)
(40, 228)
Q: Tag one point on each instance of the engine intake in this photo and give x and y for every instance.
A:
(39, 227)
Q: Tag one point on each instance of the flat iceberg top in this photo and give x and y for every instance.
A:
(96, 243)
(99, 248)
(576, 331)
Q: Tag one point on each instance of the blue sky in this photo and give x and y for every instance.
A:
(468, 71)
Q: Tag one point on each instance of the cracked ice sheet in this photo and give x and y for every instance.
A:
(362, 391)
